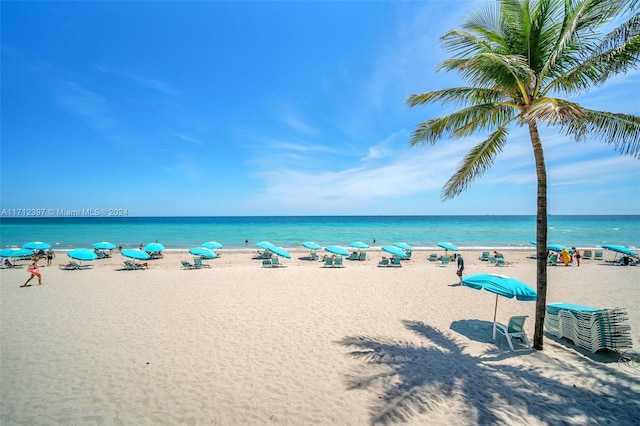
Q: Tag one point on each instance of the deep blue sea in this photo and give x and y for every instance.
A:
(292, 231)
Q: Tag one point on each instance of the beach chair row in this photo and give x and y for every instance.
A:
(197, 264)
(590, 328)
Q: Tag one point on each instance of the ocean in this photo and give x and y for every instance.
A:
(291, 231)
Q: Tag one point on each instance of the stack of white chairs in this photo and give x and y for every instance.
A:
(590, 328)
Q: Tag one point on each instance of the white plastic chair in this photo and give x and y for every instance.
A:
(513, 330)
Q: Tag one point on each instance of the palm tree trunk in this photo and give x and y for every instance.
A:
(541, 237)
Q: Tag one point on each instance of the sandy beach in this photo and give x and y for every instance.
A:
(239, 344)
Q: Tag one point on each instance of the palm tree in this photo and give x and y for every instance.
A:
(518, 56)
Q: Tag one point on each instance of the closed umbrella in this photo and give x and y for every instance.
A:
(203, 252)
(396, 251)
(82, 254)
(37, 245)
(501, 285)
(136, 254)
(213, 245)
(337, 250)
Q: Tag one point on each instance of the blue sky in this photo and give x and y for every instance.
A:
(264, 108)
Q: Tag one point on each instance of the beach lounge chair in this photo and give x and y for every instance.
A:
(130, 266)
(501, 262)
(328, 262)
(353, 256)
(444, 261)
(6, 264)
(187, 265)
(432, 257)
(587, 255)
(513, 330)
(266, 263)
(74, 266)
(197, 262)
(484, 256)
(275, 262)
(383, 262)
(553, 260)
(263, 255)
(338, 262)
(395, 261)
(598, 255)
(313, 255)
(362, 255)
(408, 253)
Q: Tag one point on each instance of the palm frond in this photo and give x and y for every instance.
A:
(553, 111)
(457, 96)
(475, 163)
(620, 130)
(463, 122)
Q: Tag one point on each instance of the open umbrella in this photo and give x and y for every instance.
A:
(154, 248)
(136, 254)
(311, 245)
(265, 245)
(396, 251)
(280, 251)
(15, 252)
(620, 249)
(501, 285)
(212, 245)
(403, 246)
(203, 252)
(82, 254)
(37, 245)
(103, 245)
(447, 246)
(337, 250)
(358, 245)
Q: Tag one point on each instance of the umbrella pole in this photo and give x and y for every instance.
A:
(495, 312)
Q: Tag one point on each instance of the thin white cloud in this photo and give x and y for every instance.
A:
(81, 102)
(147, 82)
(190, 139)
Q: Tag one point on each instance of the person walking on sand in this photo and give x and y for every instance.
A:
(576, 255)
(34, 271)
(50, 255)
(460, 267)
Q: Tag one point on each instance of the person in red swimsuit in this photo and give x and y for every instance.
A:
(34, 270)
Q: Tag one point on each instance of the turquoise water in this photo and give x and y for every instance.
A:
(291, 231)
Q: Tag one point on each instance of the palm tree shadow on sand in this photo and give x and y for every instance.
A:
(413, 379)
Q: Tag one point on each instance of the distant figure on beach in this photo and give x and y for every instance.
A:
(460, 267)
(8, 264)
(50, 256)
(246, 241)
(34, 271)
(374, 241)
(145, 264)
(576, 255)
